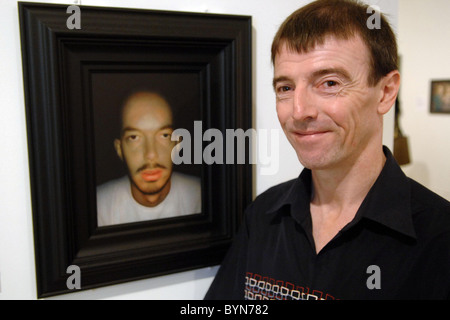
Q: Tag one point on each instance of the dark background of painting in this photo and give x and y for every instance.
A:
(109, 89)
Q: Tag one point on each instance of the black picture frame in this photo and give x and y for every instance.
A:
(58, 63)
(440, 96)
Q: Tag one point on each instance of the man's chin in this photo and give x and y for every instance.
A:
(150, 188)
(316, 161)
(151, 192)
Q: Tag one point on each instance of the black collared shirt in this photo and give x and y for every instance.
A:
(396, 247)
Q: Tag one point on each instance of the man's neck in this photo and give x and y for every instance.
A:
(150, 200)
(348, 183)
(338, 193)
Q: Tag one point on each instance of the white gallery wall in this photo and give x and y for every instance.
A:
(424, 46)
(17, 265)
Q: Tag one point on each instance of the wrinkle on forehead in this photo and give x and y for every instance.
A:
(351, 57)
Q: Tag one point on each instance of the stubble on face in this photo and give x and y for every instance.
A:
(145, 147)
(324, 103)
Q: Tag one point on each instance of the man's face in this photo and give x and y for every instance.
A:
(324, 103)
(145, 144)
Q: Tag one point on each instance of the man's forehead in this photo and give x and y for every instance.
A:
(147, 123)
(346, 57)
(146, 113)
(146, 103)
(329, 47)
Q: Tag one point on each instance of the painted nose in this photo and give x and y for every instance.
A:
(151, 152)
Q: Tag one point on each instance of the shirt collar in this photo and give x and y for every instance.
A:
(388, 201)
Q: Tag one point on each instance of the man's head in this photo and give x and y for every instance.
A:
(334, 80)
(145, 143)
(312, 24)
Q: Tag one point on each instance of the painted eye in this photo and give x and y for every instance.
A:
(166, 135)
(133, 137)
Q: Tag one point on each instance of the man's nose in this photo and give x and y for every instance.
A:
(304, 107)
(150, 151)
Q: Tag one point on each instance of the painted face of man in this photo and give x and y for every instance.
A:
(145, 145)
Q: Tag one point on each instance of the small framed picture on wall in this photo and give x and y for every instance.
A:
(440, 96)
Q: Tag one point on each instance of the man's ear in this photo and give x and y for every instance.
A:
(389, 86)
(118, 147)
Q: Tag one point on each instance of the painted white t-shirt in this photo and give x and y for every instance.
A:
(116, 205)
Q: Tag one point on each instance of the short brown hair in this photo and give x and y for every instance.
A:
(343, 19)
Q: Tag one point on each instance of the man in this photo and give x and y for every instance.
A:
(151, 190)
(352, 226)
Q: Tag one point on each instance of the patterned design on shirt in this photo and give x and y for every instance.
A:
(259, 287)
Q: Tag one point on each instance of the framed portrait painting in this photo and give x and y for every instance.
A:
(104, 103)
(440, 96)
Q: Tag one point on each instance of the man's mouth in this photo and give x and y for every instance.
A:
(309, 134)
(151, 175)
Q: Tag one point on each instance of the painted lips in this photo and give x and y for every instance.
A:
(151, 175)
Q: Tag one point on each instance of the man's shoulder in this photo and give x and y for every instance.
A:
(274, 196)
(278, 189)
(431, 212)
(115, 185)
(424, 198)
(187, 190)
(183, 178)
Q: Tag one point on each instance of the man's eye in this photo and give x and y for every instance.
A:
(133, 137)
(281, 90)
(166, 135)
(284, 88)
(330, 83)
